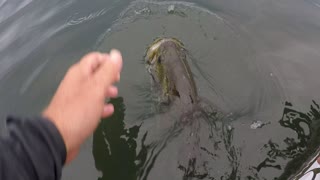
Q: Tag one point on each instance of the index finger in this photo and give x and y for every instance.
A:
(108, 72)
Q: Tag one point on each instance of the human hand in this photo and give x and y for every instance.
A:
(79, 102)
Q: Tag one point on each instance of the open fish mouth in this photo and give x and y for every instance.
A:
(153, 51)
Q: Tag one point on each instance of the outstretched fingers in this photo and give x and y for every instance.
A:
(111, 92)
(108, 110)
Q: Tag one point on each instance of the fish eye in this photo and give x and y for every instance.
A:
(159, 59)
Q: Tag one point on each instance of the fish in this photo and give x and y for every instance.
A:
(166, 60)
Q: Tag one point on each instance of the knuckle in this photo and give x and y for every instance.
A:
(91, 55)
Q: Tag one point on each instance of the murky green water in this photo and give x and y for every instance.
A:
(256, 61)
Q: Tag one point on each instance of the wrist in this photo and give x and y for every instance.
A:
(54, 120)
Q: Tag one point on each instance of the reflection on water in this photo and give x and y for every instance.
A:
(114, 146)
(197, 151)
(195, 145)
(248, 57)
(304, 147)
(7, 8)
(237, 83)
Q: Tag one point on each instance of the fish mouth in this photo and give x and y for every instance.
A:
(153, 51)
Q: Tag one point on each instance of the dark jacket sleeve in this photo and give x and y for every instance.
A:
(33, 150)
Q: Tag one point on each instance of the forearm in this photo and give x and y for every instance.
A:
(33, 149)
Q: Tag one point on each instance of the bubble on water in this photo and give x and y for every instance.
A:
(171, 8)
(136, 162)
(256, 125)
(143, 11)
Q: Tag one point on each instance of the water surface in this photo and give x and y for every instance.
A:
(255, 61)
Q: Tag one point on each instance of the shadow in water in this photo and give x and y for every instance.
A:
(119, 153)
(114, 146)
(302, 150)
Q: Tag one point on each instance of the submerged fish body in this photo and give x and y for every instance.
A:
(170, 72)
(192, 131)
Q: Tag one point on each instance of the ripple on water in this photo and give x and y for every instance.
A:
(316, 3)
(223, 58)
(7, 8)
(227, 74)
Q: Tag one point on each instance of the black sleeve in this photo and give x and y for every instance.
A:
(33, 150)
